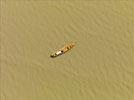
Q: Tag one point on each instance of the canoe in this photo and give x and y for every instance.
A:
(63, 50)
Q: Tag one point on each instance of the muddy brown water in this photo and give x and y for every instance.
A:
(99, 67)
